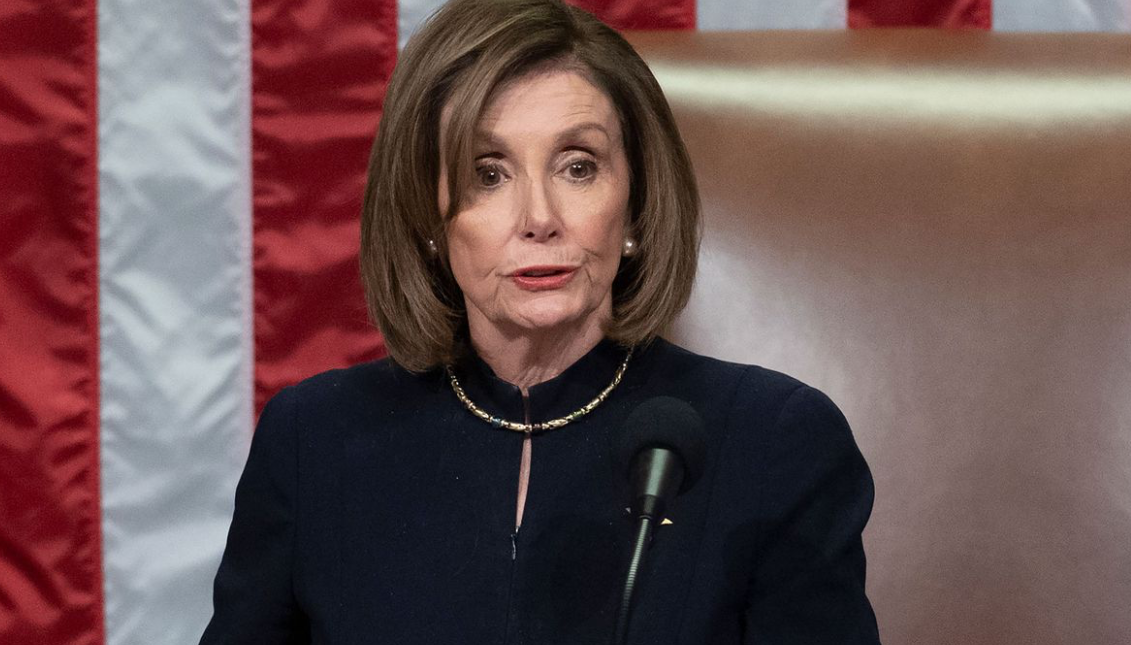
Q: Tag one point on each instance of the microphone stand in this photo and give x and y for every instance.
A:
(657, 474)
(643, 536)
(664, 447)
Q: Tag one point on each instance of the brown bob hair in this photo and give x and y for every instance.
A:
(462, 56)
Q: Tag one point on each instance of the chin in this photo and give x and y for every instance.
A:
(541, 320)
(549, 315)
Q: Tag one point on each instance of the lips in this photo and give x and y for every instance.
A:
(543, 278)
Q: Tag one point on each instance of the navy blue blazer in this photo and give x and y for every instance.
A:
(375, 508)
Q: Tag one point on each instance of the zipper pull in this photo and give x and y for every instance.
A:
(514, 546)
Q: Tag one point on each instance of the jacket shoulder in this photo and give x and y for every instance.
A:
(750, 384)
(374, 388)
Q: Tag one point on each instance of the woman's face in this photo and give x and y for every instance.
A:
(536, 243)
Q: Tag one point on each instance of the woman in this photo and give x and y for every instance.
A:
(530, 226)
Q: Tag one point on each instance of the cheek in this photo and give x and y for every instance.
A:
(473, 249)
(462, 254)
(611, 241)
(606, 233)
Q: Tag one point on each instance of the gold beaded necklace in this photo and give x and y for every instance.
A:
(545, 425)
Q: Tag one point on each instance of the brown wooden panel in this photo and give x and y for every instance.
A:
(935, 229)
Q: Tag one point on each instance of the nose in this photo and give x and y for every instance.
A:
(540, 218)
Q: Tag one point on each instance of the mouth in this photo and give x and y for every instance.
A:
(541, 271)
(541, 278)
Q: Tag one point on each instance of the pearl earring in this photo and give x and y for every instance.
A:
(432, 248)
(629, 248)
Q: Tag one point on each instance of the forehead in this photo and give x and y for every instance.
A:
(547, 102)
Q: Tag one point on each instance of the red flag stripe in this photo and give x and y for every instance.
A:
(319, 69)
(953, 14)
(642, 14)
(50, 539)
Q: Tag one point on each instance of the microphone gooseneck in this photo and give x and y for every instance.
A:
(662, 450)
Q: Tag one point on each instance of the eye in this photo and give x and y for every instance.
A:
(581, 169)
(489, 175)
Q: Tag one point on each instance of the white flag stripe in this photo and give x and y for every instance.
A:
(728, 15)
(1062, 15)
(175, 305)
(411, 14)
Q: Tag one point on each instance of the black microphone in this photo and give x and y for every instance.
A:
(662, 449)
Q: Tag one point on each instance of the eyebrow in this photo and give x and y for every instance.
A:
(494, 142)
(582, 127)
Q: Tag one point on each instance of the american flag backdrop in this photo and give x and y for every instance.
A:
(180, 185)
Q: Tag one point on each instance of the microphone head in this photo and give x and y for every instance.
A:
(665, 422)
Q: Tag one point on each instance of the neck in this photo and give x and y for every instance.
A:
(525, 359)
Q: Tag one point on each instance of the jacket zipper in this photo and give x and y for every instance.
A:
(514, 534)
